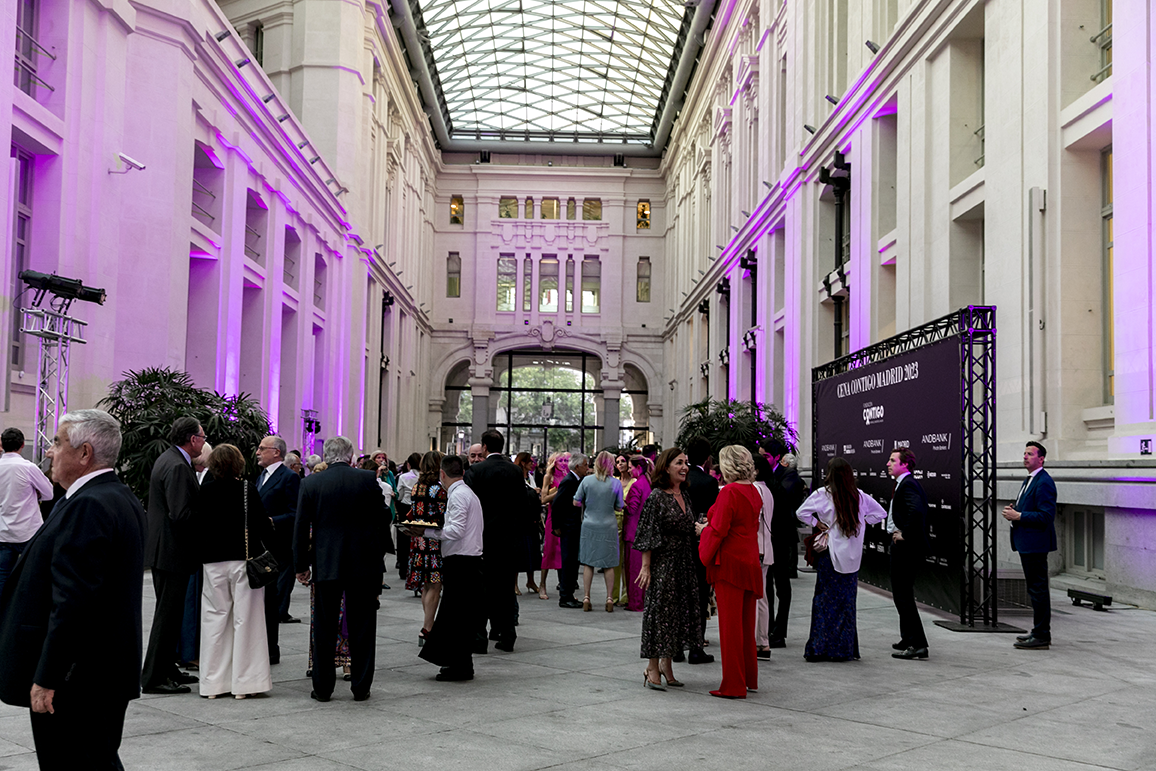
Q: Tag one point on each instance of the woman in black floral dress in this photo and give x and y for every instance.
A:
(666, 538)
(425, 554)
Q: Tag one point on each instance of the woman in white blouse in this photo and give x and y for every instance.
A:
(763, 474)
(842, 511)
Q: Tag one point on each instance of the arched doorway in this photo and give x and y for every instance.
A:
(544, 402)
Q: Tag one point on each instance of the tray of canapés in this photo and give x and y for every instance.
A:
(420, 523)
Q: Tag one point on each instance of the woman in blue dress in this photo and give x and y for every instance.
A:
(600, 495)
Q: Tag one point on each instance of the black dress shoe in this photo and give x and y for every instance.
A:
(570, 603)
(679, 657)
(167, 687)
(1023, 637)
(450, 675)
(361, 696)
(1033, 644)
(181, 678)
(900, 646)
(290, 620)
(763, 654)
(700, 657)
(911, 653)
(318, 697)
(776, 642)
(508, 647)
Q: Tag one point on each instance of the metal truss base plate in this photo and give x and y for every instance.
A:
(955, 626)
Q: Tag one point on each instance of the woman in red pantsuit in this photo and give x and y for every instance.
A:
(729, 547)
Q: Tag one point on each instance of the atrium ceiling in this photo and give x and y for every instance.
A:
(555, 76)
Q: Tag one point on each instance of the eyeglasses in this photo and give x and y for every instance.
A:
(200, 436)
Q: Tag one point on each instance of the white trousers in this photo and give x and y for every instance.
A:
(762, 619)
(234, 648)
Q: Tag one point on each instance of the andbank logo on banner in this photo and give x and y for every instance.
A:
(872, 413)
(938, 441)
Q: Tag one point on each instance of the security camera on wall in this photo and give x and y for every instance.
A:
(132, 163)
(125, 164)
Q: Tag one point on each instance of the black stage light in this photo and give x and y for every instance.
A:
(64, 288)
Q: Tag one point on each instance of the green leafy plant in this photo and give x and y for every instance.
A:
(732, 422)
(146, 402)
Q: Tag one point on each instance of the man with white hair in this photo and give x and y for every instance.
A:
(278, 488)
(477, 454)
(70, 615)
(349, 521)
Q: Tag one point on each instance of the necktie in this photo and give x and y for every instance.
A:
(264, 479)
(1023, 489)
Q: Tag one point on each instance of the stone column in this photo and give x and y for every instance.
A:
(610, 407)
(481, 414)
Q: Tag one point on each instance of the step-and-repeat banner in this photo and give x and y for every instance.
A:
(909, 400)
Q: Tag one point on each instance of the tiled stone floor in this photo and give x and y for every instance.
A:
(570, 697)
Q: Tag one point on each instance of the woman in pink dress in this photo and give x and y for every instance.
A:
(636, 496)
(556, 471)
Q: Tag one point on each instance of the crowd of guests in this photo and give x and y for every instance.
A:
(668, 531)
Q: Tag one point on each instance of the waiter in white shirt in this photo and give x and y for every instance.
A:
(22, 487)
(450, 643)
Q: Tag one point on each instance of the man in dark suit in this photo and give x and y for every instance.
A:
(70, 615)
(703, 489)
(279, 488)
(1033, 535)
(567, 522)
(170, 552)
(907, 524)
(788, 492)
(346, 510)
(499, 485)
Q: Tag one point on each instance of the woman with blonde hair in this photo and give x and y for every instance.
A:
(600, 495)
(556, 470)
(729, 548)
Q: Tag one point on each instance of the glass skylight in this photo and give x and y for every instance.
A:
(566, 69)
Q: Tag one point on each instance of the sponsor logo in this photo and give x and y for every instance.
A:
(901, 443)
(848, 449)
(938, 441)
(872, 413)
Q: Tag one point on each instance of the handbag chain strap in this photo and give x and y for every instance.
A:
(246, 500)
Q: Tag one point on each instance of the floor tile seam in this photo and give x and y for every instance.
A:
(1045, 711)
(1040, 755)
(149, 705)
(304, 756)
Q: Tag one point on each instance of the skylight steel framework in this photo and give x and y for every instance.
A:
(587, 73)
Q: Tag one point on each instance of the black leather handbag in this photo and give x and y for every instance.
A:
(262, 569)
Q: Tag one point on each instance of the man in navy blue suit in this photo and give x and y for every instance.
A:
(907, 526)
(279, 488)
(1033, 535)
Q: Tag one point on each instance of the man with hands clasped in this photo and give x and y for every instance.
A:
(907, 525)
(1033, 535)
